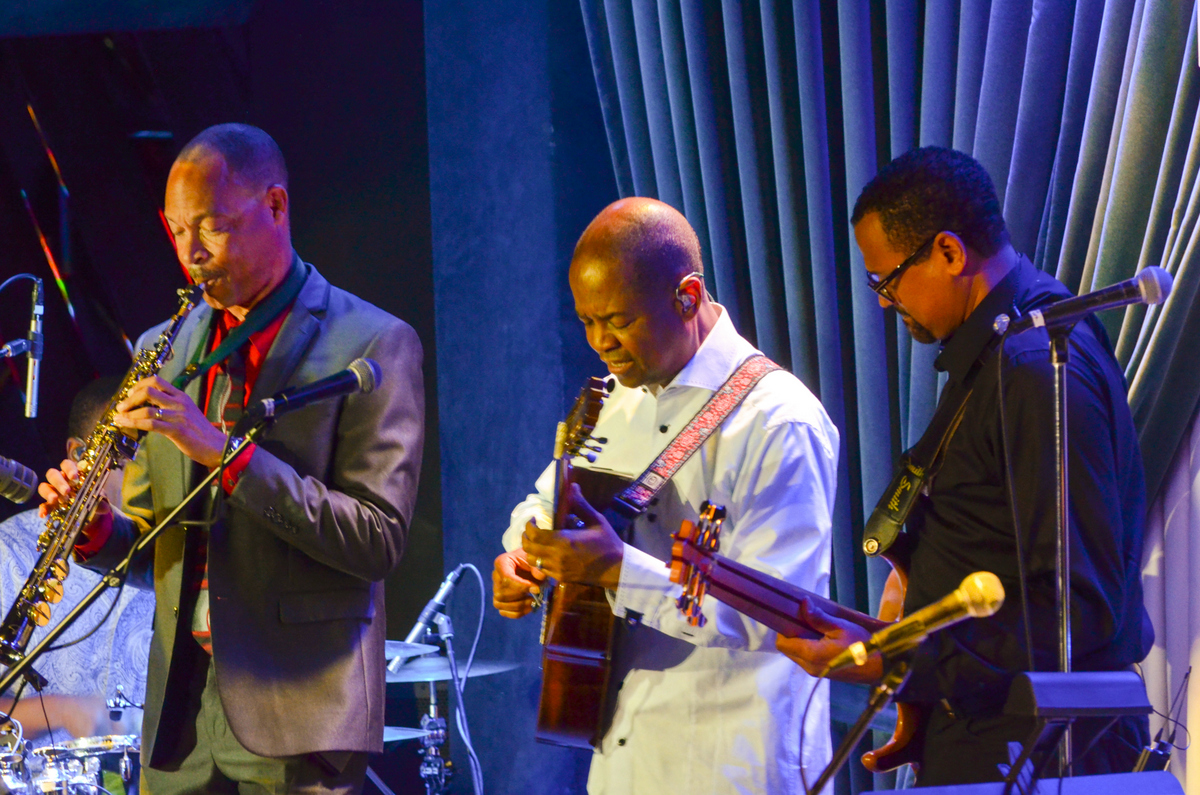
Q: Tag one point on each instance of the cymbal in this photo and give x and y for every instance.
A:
(396, 734)
(398, 648)
(437, 669)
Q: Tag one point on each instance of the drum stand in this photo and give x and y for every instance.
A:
(436, 770)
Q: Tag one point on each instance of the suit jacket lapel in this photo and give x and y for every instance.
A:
(295, 336)
(172, 469)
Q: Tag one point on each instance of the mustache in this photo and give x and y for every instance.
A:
(204, 274)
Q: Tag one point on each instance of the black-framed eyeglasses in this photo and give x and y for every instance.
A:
(880, 286)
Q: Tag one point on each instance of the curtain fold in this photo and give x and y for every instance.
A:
(761, 120)
(1168, 575)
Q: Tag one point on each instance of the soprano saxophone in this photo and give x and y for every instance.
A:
(107, 448)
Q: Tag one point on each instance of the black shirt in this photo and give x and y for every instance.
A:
(964, 523)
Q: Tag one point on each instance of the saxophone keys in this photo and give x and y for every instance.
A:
(52, 592)
(60, 569)
(40, 614)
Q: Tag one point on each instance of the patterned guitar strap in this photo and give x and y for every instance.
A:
(631, 502)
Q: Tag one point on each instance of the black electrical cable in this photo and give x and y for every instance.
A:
(1012, 500)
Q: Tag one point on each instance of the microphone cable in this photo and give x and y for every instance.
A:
(459, 679)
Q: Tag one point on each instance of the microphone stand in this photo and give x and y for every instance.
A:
(1058, 359)
(895, 674)
(115, 576)
(1059, 355)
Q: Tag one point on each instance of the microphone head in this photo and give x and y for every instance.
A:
(982, 593)
(1154, 284)
(17, 481)
(368, 373)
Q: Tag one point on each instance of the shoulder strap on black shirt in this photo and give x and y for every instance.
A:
(919, 464)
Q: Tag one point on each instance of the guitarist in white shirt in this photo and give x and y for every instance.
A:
(700, 710)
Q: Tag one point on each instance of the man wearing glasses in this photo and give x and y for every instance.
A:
(936, 250)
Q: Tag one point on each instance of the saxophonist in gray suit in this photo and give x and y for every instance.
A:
(266, 669)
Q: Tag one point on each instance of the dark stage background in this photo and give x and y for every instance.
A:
(458, 197)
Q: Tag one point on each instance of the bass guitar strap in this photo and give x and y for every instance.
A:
(637, 496)
(919, 464)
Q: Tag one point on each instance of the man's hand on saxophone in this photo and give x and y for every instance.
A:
(60, 484)
(155, 405)
(152, 405)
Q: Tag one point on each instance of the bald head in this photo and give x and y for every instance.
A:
(651, 241)
(637, 291)
(251, 156)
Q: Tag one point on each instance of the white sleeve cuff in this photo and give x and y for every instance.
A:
(645, 585)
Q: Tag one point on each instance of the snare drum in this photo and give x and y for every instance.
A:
(76, 767)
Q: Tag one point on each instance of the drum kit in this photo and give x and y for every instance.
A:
(79, 767)
(75, 767)
(408, 662)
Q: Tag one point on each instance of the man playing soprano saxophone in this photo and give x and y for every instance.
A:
(267, 665)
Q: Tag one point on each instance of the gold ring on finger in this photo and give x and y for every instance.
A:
(537, 563)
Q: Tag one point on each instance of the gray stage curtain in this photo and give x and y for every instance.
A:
(761, 120)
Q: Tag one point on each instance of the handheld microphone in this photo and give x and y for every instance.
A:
(363, 375)
(434, 606)
(980, 594)
(1151, 286)
(17, 481)
(33, 366)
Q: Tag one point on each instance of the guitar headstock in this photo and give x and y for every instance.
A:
(574, 436)
(691, 559)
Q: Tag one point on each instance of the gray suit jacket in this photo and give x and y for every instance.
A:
(317, 520)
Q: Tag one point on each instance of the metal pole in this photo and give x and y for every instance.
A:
(1058, 358)
(895, 673)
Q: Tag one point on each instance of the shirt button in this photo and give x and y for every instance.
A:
(621, 741)
(175, 611)
(662, 428)
(650, 517)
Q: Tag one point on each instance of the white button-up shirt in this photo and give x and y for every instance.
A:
(714, 709)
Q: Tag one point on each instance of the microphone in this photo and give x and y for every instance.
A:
(33, 366)
(980, 594)
(435, 606)
(1151, 286)
(17, 481)
(363, 375)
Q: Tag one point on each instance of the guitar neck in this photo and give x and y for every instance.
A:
(769, 600)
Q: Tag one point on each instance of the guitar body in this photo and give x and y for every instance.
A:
(905, 745)
(783, 607)
(577, 634)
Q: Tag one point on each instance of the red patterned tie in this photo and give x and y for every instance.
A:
(227, 401)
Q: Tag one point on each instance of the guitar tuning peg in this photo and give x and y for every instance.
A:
(589, 457)
(601, 440)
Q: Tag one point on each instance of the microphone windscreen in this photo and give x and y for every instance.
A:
(368, 373)
(1154, 284)
(17, 481)
(982, 593)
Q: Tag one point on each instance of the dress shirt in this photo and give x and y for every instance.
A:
(964, 524)
(714, 709)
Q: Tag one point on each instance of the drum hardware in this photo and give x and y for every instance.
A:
(437, 669)
(436, 770)
(118, 704)
(404, 650)
(70, 768)
(14, 774)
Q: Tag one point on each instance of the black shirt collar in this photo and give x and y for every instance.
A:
(962, 349)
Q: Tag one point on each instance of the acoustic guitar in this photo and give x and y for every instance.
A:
(577, 622)
(697, 567)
